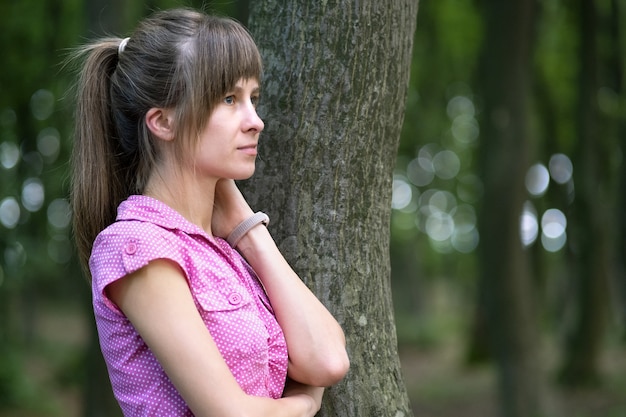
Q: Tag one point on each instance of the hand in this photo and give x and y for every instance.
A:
(229, 208)
(315, 394)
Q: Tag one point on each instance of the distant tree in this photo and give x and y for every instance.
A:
(506, 286)
(593, 209)
(618, 80)
(333, 101)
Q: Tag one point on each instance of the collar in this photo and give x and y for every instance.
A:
(148, 209)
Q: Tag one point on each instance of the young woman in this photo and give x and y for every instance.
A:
(197, 311)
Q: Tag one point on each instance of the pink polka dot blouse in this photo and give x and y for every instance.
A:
(227, 294)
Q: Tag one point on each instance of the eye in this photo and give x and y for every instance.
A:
(229, 100)
(254, 100)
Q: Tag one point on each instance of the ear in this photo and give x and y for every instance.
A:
(161, 123)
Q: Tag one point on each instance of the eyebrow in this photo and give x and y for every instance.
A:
(239, 89)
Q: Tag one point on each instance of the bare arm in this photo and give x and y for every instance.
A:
(158, 301)
(316, 343)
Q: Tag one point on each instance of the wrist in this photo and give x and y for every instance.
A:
(243, 228)
(256, 246)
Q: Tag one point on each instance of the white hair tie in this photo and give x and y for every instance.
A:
(122, 46)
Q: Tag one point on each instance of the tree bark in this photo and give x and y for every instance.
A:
(506, 285)
(333, 102)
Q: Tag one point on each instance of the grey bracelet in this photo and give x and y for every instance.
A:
(244, 227)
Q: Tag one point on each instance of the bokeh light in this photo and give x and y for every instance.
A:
(465, 237)
(42, 104)
(553, 230)
(402, 194)
(460, 106)
(553, 223)
(561, 168)
(421, 171)
(49, 144)
(9, 212)
(59, 213)
(446, 164)
(9, 155)
(440, 226)
(465, 129)
(537, 179)
(529, 226)
(553, 244)
(33, 194)
(443, 201)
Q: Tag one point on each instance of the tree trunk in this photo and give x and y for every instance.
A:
(506, 284)
(333, 102)
(592, 241)
(618, 79)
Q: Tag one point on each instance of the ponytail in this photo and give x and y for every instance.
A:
(99, 180)
(177, 59)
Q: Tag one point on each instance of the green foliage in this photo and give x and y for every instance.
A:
(17, 391)
(443, 62)
(12, 383)
(555, 51)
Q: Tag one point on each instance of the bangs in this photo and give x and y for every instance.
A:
(226, 53)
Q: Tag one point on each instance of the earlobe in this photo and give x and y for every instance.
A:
(160, 123)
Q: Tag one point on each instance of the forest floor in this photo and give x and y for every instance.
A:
(438, 383)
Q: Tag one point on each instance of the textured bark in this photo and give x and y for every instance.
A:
(333, 102)
(506, 283)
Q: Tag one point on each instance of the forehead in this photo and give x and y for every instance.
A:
(251, 84)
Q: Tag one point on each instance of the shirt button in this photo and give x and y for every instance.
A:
(234, 298)
(130, 248)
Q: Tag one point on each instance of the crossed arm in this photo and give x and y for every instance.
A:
(158, 301)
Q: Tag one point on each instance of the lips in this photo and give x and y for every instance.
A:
(249, 149)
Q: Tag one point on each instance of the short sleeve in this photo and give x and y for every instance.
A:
(125, 247)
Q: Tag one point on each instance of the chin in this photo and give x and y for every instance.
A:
(244, 175)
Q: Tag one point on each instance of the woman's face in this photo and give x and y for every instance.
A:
(228, 144)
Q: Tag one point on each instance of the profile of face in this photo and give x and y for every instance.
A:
(228, 144)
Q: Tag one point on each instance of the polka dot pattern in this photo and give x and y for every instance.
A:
(227, 294)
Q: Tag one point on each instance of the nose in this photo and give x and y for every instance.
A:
(253, 121)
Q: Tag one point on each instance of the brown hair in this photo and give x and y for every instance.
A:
(179, 59)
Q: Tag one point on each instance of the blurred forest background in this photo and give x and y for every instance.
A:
(508, 228)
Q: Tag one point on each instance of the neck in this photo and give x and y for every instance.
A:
(185, 193)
